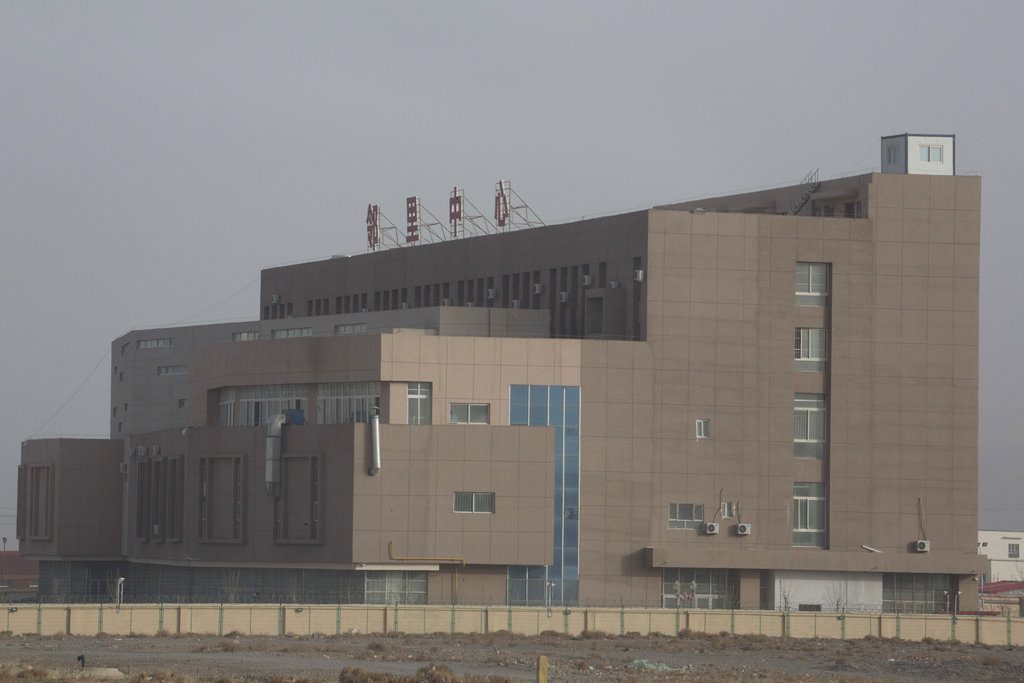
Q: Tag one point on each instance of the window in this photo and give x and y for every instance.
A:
(930, 153)
(171, 370)
(181, 403)
(703, 428)
(175, 497)
(685, 516)
(350, 328)
(810, 349)
(470, 413)
(699, 588)
(249, 335)
(809, 425)
(916, 593)
(143, 498)
(391, 587)
(40, 502)
(558, 407)
(809, 514)
(468, 501)
(221, 499)
(155, 343)
(419, 403)
(292, 332)
(344, 402)
(728, 509)
(226, 408)
(812, 284)
(125, 347)
(297, 508)
(892, 154)
(259, 404)
(1013, 551)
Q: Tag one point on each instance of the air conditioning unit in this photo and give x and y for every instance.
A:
(563, 297)
(490, 294)
(613, 284)
(743, 529)
(446, 301)
(515, 303)
(922, 546)
(275, 298)
(538, 288)
(585, 280)
(638, 275)
(711, 528)
(156, 450)
(124, 468)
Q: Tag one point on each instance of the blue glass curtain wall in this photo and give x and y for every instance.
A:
(558, 407)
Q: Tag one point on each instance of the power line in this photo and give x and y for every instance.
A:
(221, 302)
(107, 352)
(75, 393)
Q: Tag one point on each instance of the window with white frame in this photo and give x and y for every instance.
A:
(419, 403)
(812, 284)
(257, 405)
(248, 335)
(1013, 551)
(728, 509)
(685, 516)
(703, 428)
(930, 153)
(291, 333)
(155, 343)
(809, 506)
(473, 501)
(809, 425)
(171, 370)
(350, 328)
(226, 407)
(391, 587)
(810, 349)
(470, 413)
(345, 402)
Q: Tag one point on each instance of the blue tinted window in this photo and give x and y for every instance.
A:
(557, 407)
(519, 404)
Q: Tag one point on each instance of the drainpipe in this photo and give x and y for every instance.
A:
(272, 477)
(375, 437)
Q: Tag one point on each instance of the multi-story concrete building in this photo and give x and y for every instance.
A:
(1002, 548)
(761, 400)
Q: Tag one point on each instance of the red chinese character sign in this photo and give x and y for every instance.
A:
(373, 227)
(412, 215)
(456, 212)
(501, 203)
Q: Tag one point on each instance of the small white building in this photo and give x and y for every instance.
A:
(1003, 550)
(919, 154)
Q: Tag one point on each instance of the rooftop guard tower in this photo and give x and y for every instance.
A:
(913, 153)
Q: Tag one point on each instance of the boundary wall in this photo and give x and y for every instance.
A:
(294, 620)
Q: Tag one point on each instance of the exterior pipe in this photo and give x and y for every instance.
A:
(439, 560)
(272, 474)
(459, 561)
(375, 436)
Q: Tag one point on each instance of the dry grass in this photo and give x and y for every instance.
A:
(432, 673)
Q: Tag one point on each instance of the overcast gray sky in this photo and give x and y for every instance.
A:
(155, 156)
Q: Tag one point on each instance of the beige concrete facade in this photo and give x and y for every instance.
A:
(673, 315)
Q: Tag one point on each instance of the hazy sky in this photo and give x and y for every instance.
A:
(155, 156)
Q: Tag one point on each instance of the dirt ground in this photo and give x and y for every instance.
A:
(504, 657)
